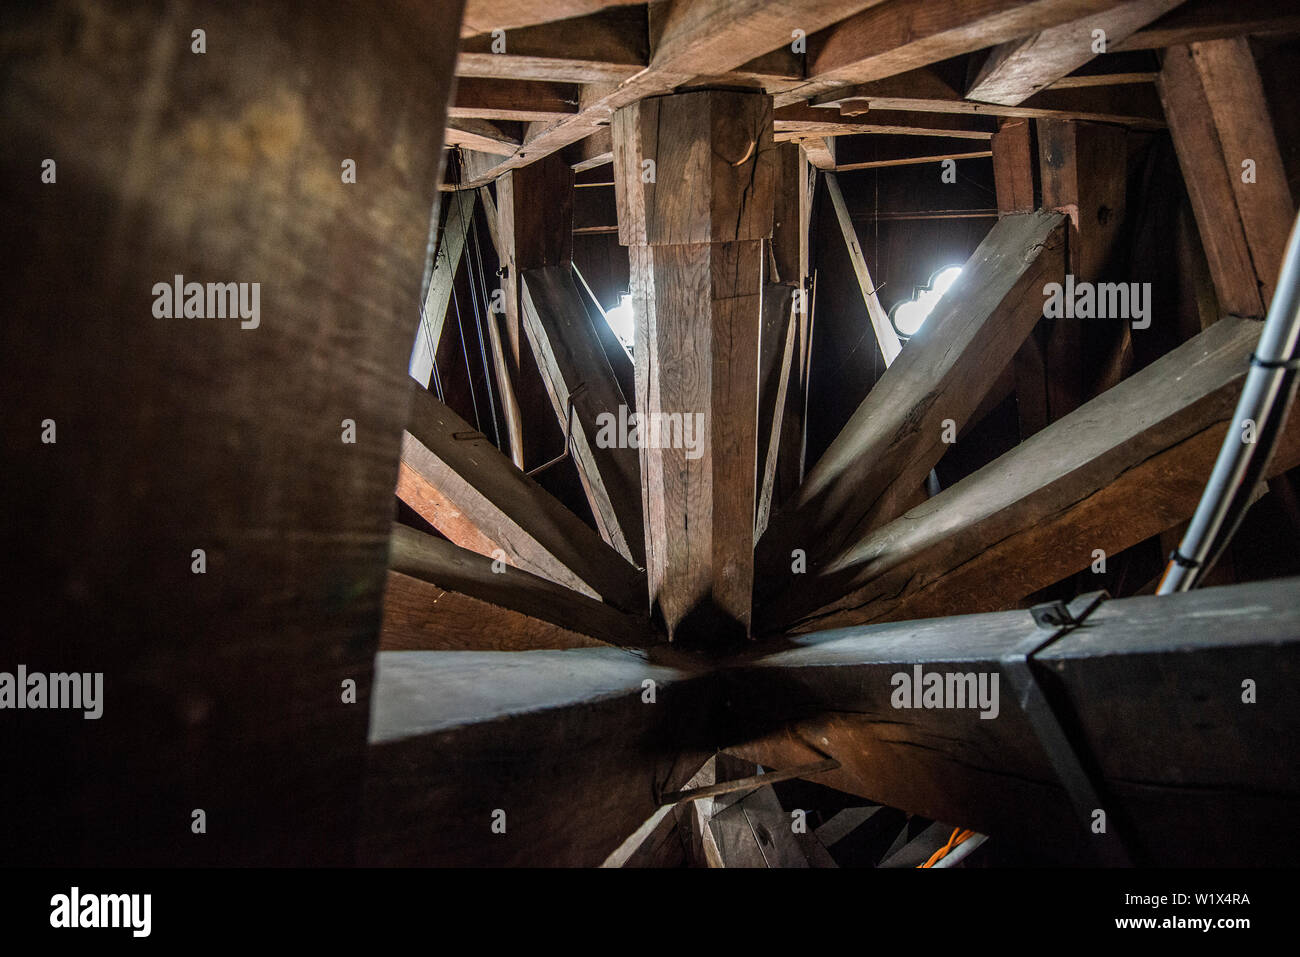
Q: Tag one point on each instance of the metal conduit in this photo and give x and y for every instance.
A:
(1270, 387)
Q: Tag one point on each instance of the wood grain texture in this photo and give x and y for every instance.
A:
(895, 436)
(902, 35)
(444, 597)
(1142, 683)
(1209, 184)
(1123, 467)
(522, 101)
(602, 47)
(222, 690)
(451, 246)
(886, 337)
(1200, 20)
(1019, 68)
(804, 121)
(463, 486)
(484, 16)
(577, 374)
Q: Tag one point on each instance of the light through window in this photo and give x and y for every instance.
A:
(909, 316)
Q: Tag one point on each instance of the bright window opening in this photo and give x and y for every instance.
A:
(620, 320)
(909, 316)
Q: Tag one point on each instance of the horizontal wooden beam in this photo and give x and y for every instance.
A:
(523, 101)
(483, 136)
(462, 485)
(922, 91)
(1199, 20)
(484, 16)
(1151, 690)
(483, 743)
(798, 121)
(442, 597)
(603, 47)
(1127, 465)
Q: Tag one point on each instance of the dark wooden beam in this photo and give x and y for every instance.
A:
(1199, 20)
(695, 228)
(603, 47)
(464, 487)
(800, 121)
(891, 38)
(441, 597)
(1017, 69)
(225, 673)
(484, 16)
(523, 101)
(457, 737)
(896, 436)
(1125, 466)
(484, 136)
(583, 390)
(1150, 689)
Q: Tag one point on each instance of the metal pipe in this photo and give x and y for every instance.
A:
(1270, 386)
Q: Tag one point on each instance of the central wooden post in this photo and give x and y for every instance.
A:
(694, 176)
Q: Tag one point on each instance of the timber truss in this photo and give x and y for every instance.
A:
(575, 679)
(528, 687)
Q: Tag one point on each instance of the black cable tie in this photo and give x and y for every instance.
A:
(1181, 560)
(1289, 364)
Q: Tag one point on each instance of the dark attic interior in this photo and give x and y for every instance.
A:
(695, 434)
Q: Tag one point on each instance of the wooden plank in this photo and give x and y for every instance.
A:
(484, 16)
(1142, 683)
(456, 736)
(819, 151)
(1209, 184)
(463, 486)
(578, 377)
(522, 101)
(1125, 466)
(778, 347)
(801, 121)
(1200, 20)
(460, 211)
(483, 136)
(913, 159)
(442, 597)
(1242, 119)
(1014, 167)
(886, 336)
(923, 91)
(603, 47)
(222, 690)
(1019, 68)
(501, 359)
(902, 35)
(789, 234)
(895, 436)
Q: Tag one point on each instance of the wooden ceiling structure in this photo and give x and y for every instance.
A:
(564, 679)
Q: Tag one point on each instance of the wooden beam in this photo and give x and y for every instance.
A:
(1150, 689)
(1083, 167)
(1014, 167)
(582, 387)
(923, 91)
(501, 359)
(457, 737)
(695, 229)
(902, 35)
(484, 16)
(442, 597)
(819, 151)
(483, 136)
(778, 365)
(1193, 124)
(1200, 20)
(895, 436)
(913, 158)
(1017, 69)
(886, 336)
(800, 121)
(692, 38)
(228, 602)
(459, 483)
(603, 47)
(522, 101)
(1127, 465)
(460, 211)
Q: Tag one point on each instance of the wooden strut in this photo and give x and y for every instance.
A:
(749, 783)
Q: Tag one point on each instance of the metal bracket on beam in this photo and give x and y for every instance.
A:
(1062, 618)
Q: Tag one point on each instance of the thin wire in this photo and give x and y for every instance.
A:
(464, 351)
(478, 324)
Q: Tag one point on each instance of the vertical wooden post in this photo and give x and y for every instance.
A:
(694, 180)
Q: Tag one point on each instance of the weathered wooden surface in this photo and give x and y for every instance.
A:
(896, 435)
(223, 691)
(578, 377)
(1152, 688)
(463, 486)
(442, 597)
(1121, 468)
(451, 246)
